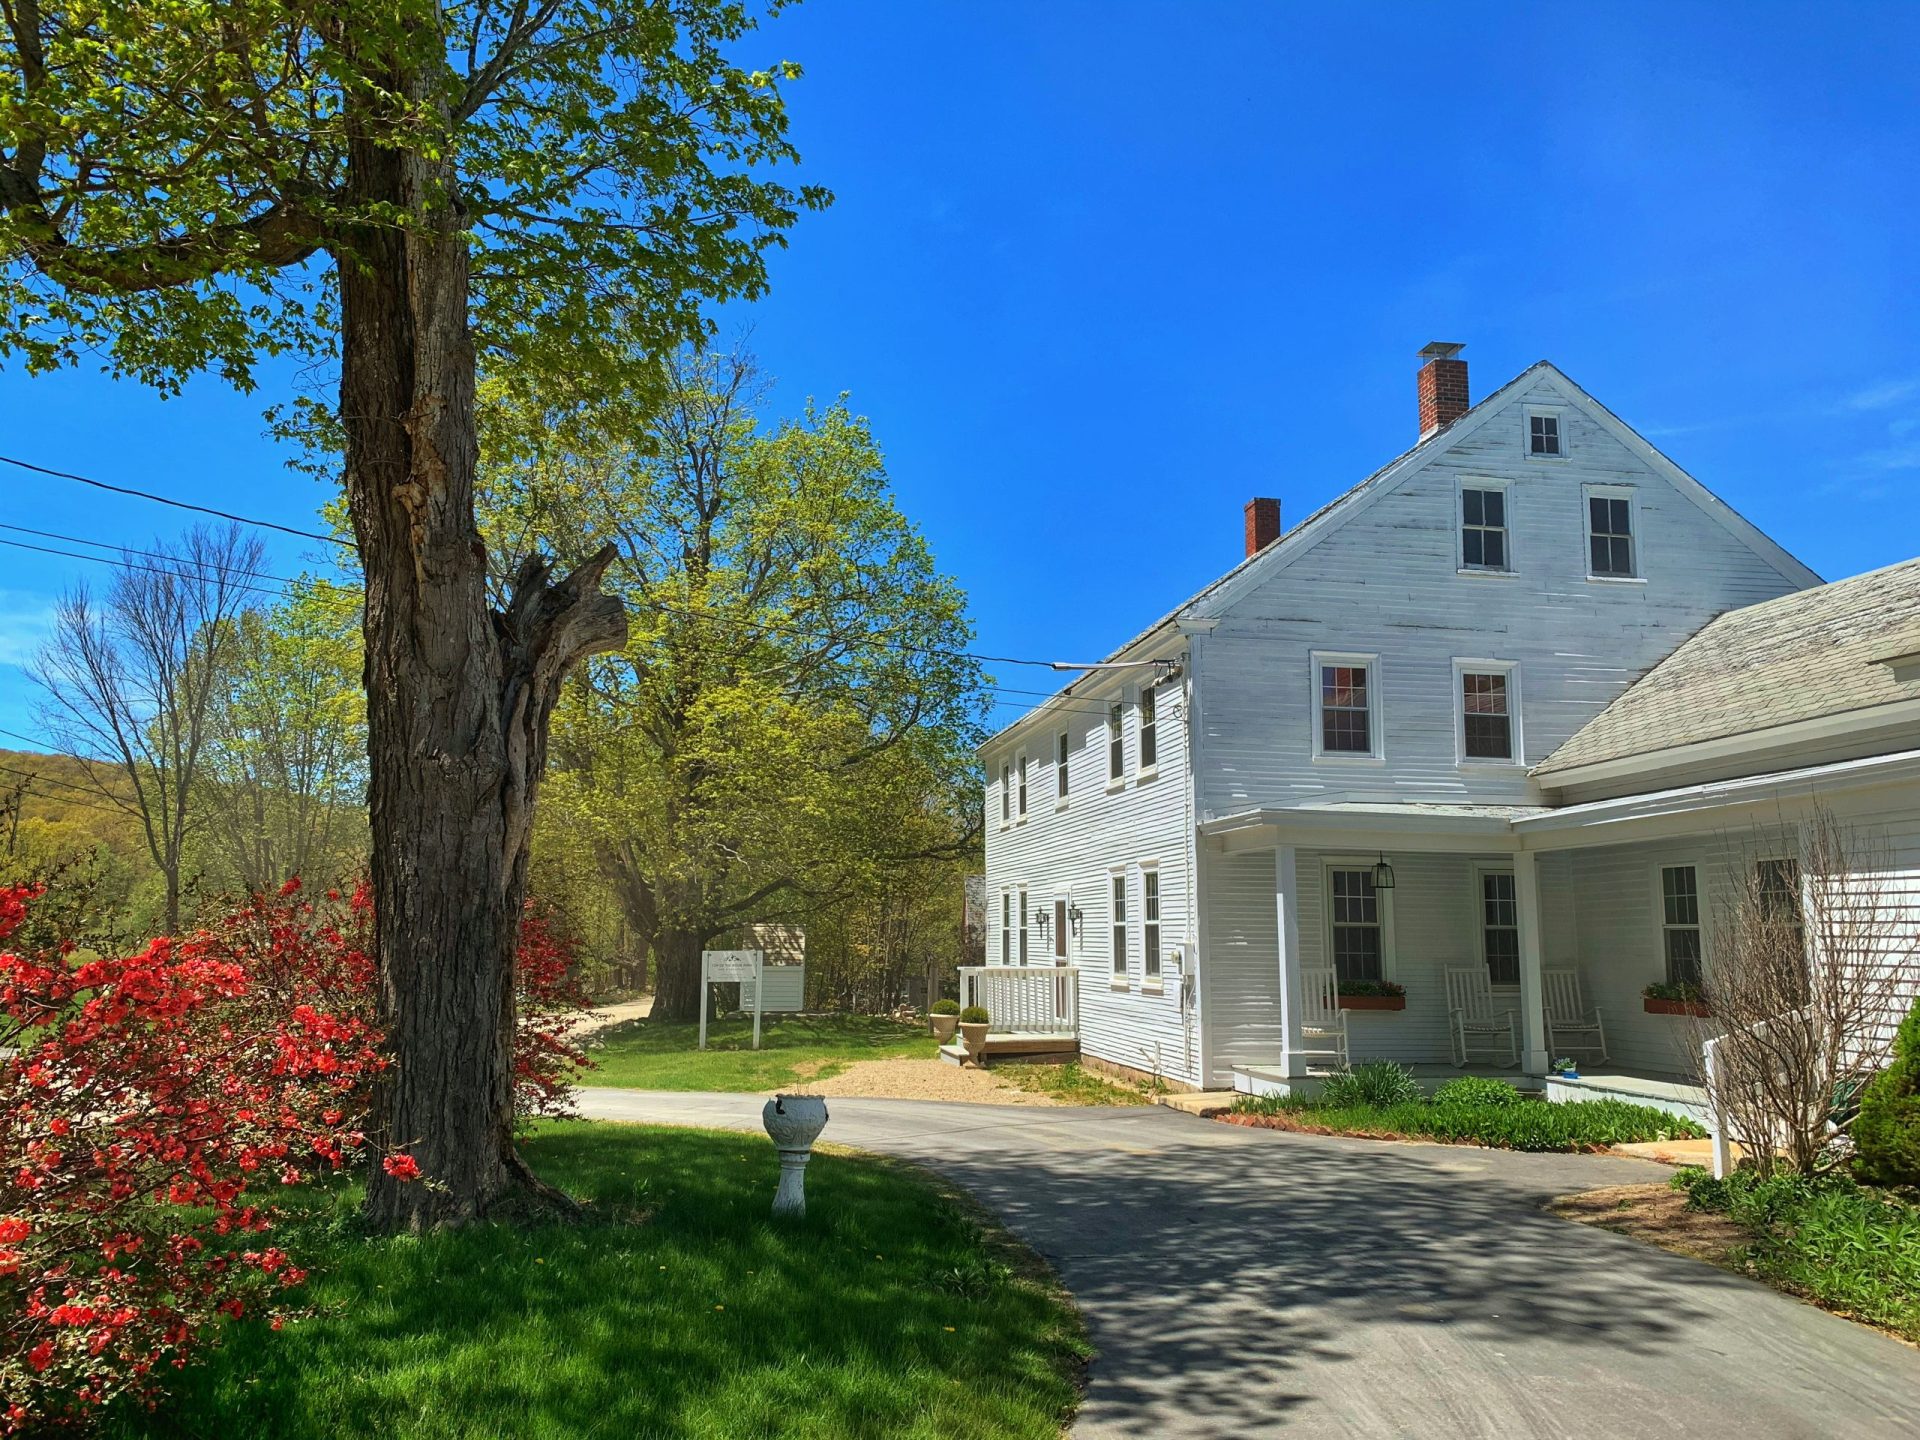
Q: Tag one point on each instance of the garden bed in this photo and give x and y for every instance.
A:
(1381, 1102)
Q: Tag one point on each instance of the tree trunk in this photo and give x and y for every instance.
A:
(458, 698)
(676, 975)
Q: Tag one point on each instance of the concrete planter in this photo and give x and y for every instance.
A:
(793, 1123)
(1373, 1002)
(976, 1038)
(1674, 1007)
(943, 1026)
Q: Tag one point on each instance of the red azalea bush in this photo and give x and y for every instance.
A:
(151, 1098)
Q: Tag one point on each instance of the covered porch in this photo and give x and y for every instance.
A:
(1480, 935)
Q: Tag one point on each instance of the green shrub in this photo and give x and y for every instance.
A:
(1371, 987)
(975, 1015)
(1378, 1083)
(1511, 1122)
(1476, 1090)
(1663, 990)
(944, 1007)
(1844, 1246)
(1887, 1130)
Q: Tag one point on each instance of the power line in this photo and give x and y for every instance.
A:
(176, 504)
(152, 554)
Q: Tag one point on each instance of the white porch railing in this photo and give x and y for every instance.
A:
(1025, 999)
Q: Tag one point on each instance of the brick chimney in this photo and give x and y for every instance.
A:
(1263, 524)
(1442, 383)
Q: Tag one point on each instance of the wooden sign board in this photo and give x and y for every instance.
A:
(718, 966)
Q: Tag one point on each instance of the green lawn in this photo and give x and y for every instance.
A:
(660, 1055)
(893, 1309)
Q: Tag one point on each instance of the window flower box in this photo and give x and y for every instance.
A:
(1372, 995)
(1673, 999)
(1658, 1005)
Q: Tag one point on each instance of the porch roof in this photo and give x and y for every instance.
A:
(1418, 826)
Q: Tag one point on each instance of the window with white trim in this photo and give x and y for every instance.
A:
(1483, 527)
(1120, 926)
(1356, 931)
(1060, 745)
(1116, 741)
(1488, 706)
(1150, 925)
(1023, 927)
(1006, 793)
(1149, 730)
(1500, 926)
(1778, 883)
(1006, 927)
(1346, 706)
(1543, 433)
(1680, 936)
(1023, 785)
(1610, 534)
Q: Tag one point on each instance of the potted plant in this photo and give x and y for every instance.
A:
(942, 1017)
(1566, 1069)
(1660, 998)
(973, 1029)
(1371, 995)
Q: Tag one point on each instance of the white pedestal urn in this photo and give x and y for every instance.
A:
(793, 1122)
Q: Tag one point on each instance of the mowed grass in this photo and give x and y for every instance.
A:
(895, 1309)
(661, 1055)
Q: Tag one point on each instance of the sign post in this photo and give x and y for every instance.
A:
(741, 965)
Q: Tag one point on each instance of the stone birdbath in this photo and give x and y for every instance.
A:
(793, 1122)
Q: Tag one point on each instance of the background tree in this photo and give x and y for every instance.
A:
(1813, 956)
(132, 679)
(791, 721)
(285, 774)
(552, 185)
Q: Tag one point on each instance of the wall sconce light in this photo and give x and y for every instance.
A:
(1073, 918)
(1043, 920)
(1383, 875)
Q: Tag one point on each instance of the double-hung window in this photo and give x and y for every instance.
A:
(1023, 786)
(1006, 794)
(1006, 927)
(1489, 710)
(1500, 926)
(1610, 534)
(1150, 926)
(1149, 731)
(1358, 941)
(1119, 928)
(1483, 527)
(1023, 927)
(1116, 742)
(1060, 765)
(1346, 702)
(1680, 923)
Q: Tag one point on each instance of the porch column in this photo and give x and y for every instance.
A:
(1286, 894)
(1533, 1013)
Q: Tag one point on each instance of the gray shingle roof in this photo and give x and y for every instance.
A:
(1799, 657)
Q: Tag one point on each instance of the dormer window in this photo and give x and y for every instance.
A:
(1543, 433)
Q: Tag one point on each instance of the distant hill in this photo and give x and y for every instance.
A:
(59, 808)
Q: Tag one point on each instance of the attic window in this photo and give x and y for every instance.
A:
(1610, 534)
(1543, 433)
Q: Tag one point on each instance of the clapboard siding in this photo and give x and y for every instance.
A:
(1240, 981)
(1386, 582)
(1071, 852)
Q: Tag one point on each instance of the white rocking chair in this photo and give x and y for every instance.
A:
(1478, 1029)
(1323, 1024)
(1574, 1031)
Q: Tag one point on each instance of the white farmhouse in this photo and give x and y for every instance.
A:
(1492, 730)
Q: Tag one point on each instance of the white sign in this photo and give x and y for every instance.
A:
(727, 965)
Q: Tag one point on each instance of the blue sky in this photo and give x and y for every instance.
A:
(1099, 272)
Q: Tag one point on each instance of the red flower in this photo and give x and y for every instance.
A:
(401, 1167)
(40, 1356)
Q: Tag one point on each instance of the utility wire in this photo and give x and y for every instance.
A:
(176, 504)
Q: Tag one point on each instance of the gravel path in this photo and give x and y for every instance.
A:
(907, 1079)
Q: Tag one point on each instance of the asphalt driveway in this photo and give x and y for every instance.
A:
(1247, 1282)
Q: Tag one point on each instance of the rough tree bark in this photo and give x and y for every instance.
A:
(676, 975)
(458, 699)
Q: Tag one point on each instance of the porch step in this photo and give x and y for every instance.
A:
(1018, 1044)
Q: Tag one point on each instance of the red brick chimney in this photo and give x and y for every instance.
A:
(1442, 383)
(1263, 524)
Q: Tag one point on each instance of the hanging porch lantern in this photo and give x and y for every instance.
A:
(1383, 874)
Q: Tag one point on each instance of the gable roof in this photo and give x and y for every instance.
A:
(1799, 657)
(1337, 511)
